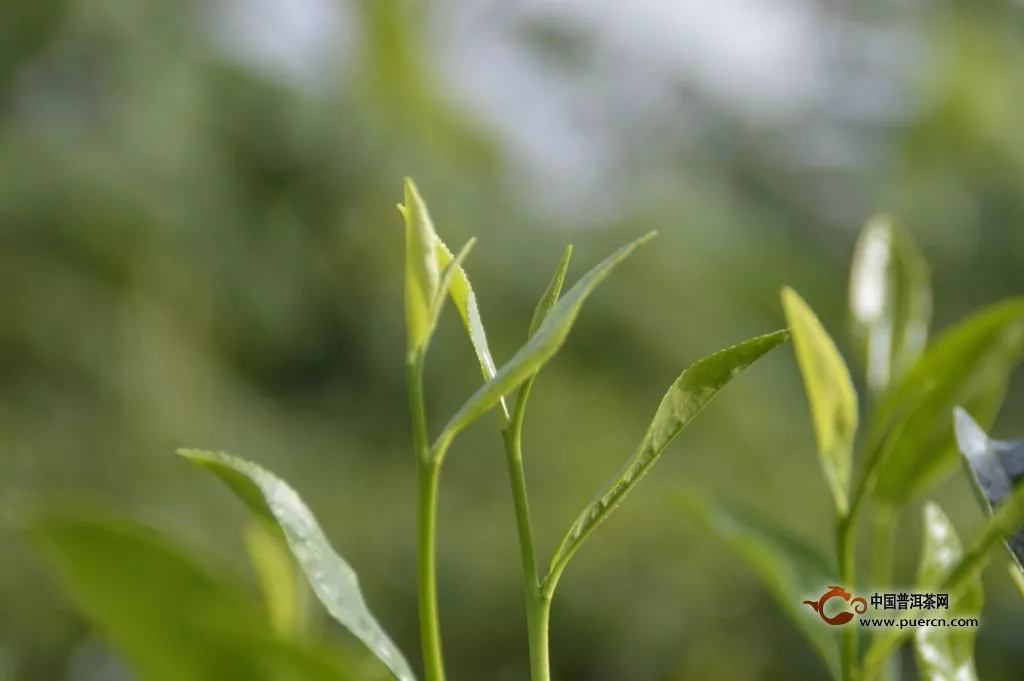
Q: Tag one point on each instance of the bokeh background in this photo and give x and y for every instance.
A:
(199, 246)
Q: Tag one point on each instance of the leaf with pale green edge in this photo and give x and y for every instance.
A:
(422, 275)
(285, 596)
(543, 309)
(464, 298)
(685, 399)
(792, 570)
(830, 393)
(968, 365)
(890, 301)
(994, 467)
(332, 579)
(171, 616)
(946, 653)
(541, 347)
(449, 273)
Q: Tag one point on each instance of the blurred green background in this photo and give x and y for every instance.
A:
(199, 246)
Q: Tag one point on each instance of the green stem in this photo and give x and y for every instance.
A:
(537, 606)
(429, 473)
(846, 535)
(883, 526)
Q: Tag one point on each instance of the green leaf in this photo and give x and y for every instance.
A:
(890, 301)
(690, 393)
(285, 596)
(544, 307)
(540, 348)
(449, 272)
(333, 581)
(944, 653)
(1017, 575)
(171, 617)
(830, 392)
(422, 276)
(968, 365)
(792, 570)
(995, 469)
(465, 302)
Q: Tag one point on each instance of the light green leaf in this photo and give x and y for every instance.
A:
(890, 301)
(333, 581)
(944, 653)
(422, 275)
(544, 307)
(540, 348)
(465, 302)
(285, 596)
(968, 365)
(994, 468)
(449, 273)
(1017, 575)
(792, 570)
(171, 617)
(830, 392)
(690, 393)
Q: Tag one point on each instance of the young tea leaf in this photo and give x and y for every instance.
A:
(690, 393)
(1017, 575)
(945, 653)
(465, 302)
(830, 392)
(284, 595)
(995, 469)
(422, 276)
(448, 274)
(968, 365)
(333, 581)
(792, 570)
(890, 301)
(171, 616)
(544, 307)
(540, 348)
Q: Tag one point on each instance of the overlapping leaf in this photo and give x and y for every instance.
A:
(690, 393)
(830, 393)
(968, 365)
(422, 275)
(332, 579)
(171, 617)
(544, 344)
(946, 653)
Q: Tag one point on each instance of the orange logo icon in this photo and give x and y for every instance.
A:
(859, 606)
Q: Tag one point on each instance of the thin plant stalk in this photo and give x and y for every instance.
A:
(845, 542)
(538, 606)
(429, 470)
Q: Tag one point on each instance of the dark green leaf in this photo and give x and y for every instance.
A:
(968, 365)
(540, 348)
(690, 393)
(170, 616)
(422, 276)
(792, 570)
(830, 392)
(946, 653)
(890, 301)
(332, 579)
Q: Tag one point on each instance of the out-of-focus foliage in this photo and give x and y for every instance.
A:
(198, 246)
